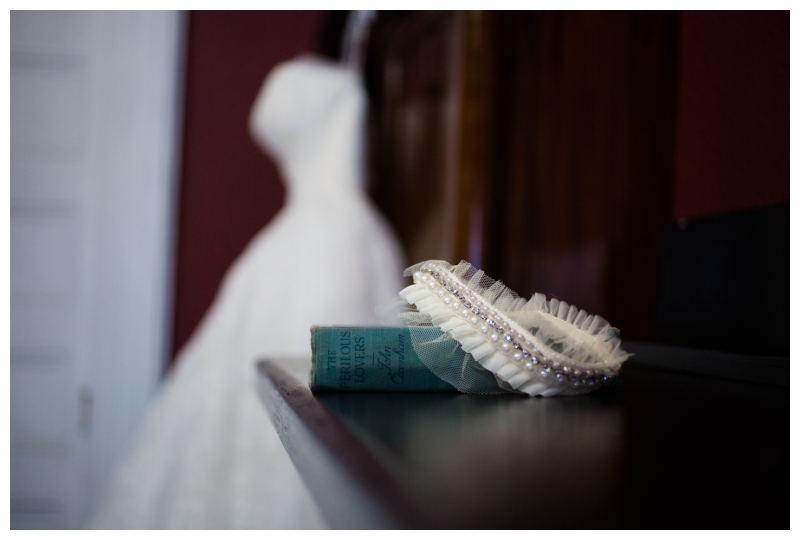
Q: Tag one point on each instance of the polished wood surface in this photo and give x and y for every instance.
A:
(581, 187)
(414, 81)
(669, 447)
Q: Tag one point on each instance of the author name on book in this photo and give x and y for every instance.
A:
(383, 359)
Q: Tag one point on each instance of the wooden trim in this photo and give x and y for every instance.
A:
(352, 488)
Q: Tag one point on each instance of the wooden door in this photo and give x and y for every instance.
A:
(536, 145)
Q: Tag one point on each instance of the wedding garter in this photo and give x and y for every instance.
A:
(507, 343)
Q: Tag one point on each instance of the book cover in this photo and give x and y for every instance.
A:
(368, 358)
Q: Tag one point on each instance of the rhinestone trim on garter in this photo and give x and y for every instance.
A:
(506, 335)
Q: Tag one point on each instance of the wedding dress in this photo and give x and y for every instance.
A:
(207, 455)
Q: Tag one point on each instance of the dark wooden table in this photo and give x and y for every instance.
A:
(688, 439)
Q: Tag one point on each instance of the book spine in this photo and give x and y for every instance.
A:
(368, 358)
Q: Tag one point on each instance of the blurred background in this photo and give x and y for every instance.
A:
(635, 164)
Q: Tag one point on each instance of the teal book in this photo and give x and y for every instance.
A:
(368, 358)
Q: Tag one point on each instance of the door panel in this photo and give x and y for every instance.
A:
(93, 119)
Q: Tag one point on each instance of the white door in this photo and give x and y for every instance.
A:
(94, 116)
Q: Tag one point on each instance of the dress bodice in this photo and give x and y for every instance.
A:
(309, 116)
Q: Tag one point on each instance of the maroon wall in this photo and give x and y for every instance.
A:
(733, 112)
(229, 188)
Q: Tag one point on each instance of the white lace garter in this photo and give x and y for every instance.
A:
(537, 346)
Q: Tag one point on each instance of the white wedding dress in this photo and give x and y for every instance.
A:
(207, 455)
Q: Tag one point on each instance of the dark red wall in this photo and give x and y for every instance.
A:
(229, 188)
(732, 148)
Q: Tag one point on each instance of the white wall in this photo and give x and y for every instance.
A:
(95, 115)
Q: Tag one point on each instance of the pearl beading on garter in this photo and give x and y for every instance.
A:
(508, 337)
